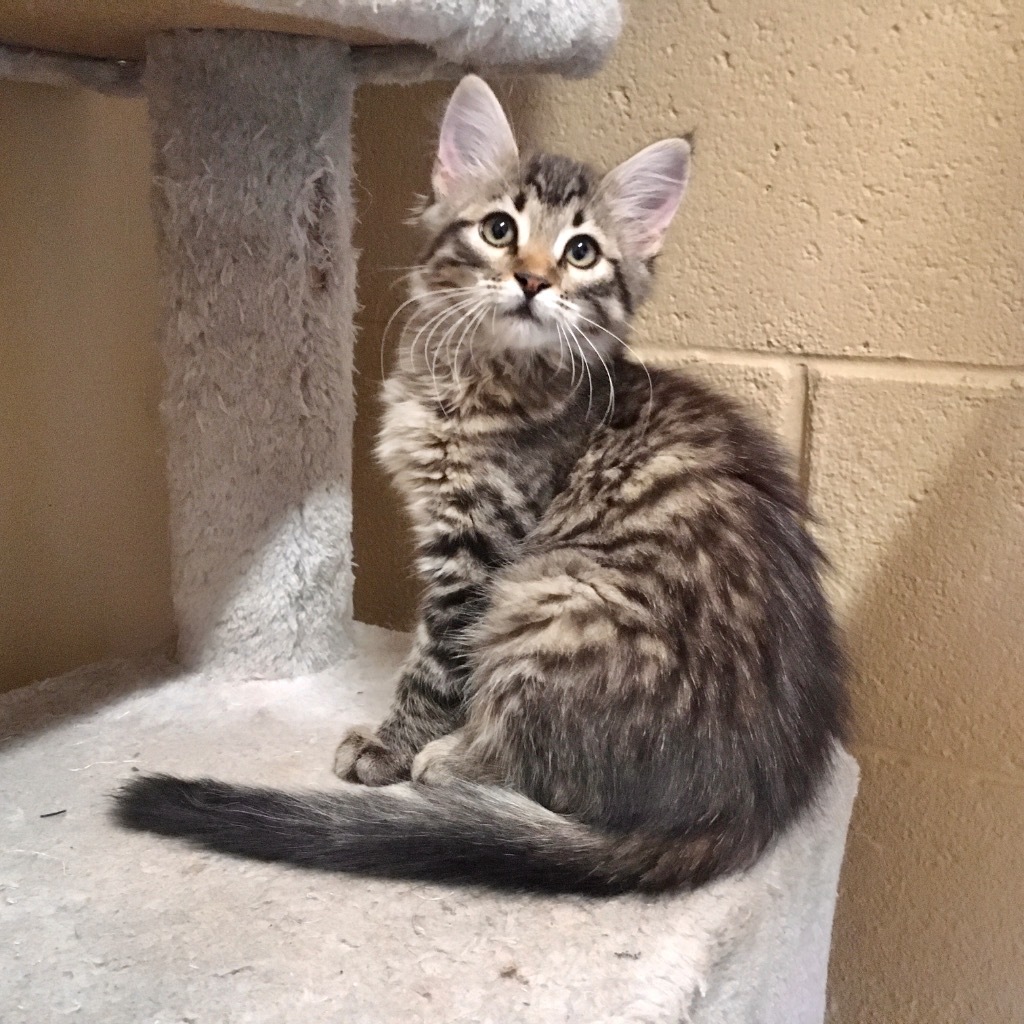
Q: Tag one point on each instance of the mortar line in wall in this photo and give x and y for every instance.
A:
(916, 369)
(851, 366)
(929, 762)
(804, 452)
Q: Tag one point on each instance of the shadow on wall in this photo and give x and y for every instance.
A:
(392, 169)
(936, 637)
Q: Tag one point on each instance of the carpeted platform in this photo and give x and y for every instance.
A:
(104, 927)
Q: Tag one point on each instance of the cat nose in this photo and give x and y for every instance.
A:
(531, 284)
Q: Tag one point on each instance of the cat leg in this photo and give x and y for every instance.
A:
(362, 740)
(439, 759)
(429, 703)
(385, 755)
(458, 555)
(452, 757)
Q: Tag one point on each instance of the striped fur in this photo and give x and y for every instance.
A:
(625, 674)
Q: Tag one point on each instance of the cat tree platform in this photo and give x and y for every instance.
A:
(106, 927)
(252, 169)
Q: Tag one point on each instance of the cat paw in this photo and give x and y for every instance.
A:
(434, 763)
(362, 757)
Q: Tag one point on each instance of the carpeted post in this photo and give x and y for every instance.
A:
(253, 212)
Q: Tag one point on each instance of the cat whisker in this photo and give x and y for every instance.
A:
(437, 323)
(574, 347)
(387, 328)
(434, 324)
(632, 352)
(407, 269)
(564, 341)
(586, 366)
(470, 328)
(469, 331)
(423, 300)
(465, 311)
(466, 317)
(464, 321)
(610, 408)
(493, 288)
(561, 350)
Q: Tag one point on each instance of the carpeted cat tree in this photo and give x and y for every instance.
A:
(252, 164)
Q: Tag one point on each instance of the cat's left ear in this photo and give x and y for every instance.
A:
(476, 139)
(645, 191)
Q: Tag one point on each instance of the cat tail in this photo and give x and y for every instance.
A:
(457, 832)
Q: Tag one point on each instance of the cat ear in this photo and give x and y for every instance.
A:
(476, 138)
(645, 191)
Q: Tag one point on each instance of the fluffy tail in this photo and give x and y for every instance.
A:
(457, 833)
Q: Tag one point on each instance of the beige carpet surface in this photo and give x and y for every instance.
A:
(98, 926)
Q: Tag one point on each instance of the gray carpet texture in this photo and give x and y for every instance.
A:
(99, 926)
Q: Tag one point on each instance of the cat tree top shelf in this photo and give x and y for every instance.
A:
(560, 35)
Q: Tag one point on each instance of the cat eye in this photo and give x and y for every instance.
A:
(582, 252)
(498, 229)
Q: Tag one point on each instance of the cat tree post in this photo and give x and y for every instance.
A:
(250, 105)
(254, 220)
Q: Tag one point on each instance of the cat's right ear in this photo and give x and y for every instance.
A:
(476, 139)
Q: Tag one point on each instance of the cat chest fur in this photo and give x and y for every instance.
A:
(459, 468)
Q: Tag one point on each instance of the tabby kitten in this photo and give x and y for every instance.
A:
(625, 674)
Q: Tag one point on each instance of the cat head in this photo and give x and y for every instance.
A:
(538, 252)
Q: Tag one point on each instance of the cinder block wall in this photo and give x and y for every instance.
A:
(851, 261)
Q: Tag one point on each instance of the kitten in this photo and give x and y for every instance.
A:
(625, 674)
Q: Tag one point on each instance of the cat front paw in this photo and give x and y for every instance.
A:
(362, 757)
(438, 762)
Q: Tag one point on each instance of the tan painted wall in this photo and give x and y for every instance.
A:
(849, 259)
(84, 565)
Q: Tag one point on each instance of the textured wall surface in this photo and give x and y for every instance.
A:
(850, 260)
